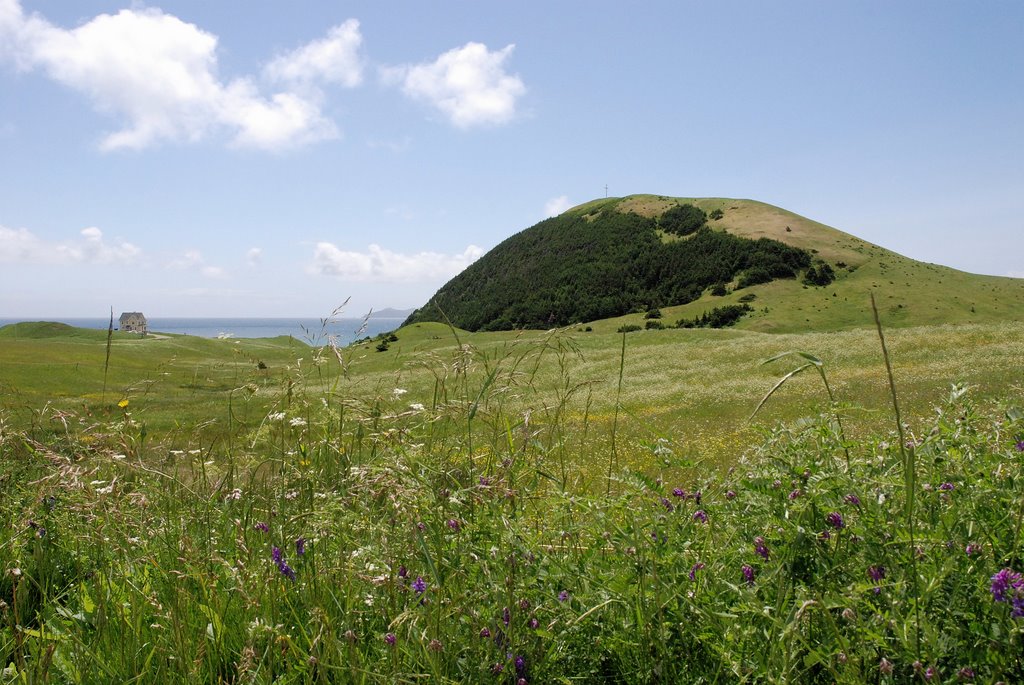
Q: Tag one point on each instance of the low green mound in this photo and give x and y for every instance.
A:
(41, 330)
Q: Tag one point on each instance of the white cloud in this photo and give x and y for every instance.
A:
(253, 256)
(379, 264)
(556, 205)
(193, 260)
(334, 59)
(21, 246)
(468, 84)
(159, 75)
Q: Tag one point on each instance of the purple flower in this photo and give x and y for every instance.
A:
(286, 571)
(965, 673)
(454, 524)
(563, 596)
(796, 493)
(777, 484)
(533, 623)
(300, 546)
(697, 497)
(403, 572)
(946, 487)
(876, 573)
(761, 548)
(971, 549)
(485, 481)
(929, 673)
(835, 519)
(520, 663)
(262, 527)
(1004, 581)
(506, 615)
(485, 632)
(678, 492)
(699, 515)
(748, 574)
(390, 639)
(275, 554)
(693, 570)
(665, 503)
(1020, 445)
(729, 494)
(419, 585)
(852, 499)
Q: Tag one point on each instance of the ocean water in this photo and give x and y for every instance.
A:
(311, 331)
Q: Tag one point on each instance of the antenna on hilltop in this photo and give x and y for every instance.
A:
(606, 190)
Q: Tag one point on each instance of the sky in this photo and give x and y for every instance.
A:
(251, 158)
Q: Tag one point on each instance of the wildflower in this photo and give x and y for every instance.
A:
(506, 616)
(849, 614)
(454, 524)
(419, 585)
(697, 497)
(275, 554)
(398, 392)
(416, 406)
(795, 494)
(484, 481)
(835, 519)
(876, 573)
(885, 666)
(522, 681)
(485, 632)
(761, 548)
(497, 668)
(123, 404)
(435, 646)
(930, 673)
(965, 673)
(403, 572)
(777, 484)
(300, 546)
(1008, 586)
(390, 639)
(824, 536)
(563, 596)
(971, 549)
(1020, 445)
(668, 505)
(524, 604)
(729, 494)
(421, 526)
(520, 663)
(282, 566)
(693, 570)
(262, 527)
(699, 515)
(297, 422)
(534, 624)
(852, 499)
(678, 492)
(235, 494)
(946, 487)
(748, 574)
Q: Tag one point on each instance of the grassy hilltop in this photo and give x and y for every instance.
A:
(620, 257)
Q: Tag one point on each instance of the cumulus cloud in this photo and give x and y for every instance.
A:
(469, 85)
(334, 59)
(21, 246)
(556, 205)
(159, 75)
(193, 260)
(253, 256)
(379, 264)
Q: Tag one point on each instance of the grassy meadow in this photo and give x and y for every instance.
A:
(563, 506)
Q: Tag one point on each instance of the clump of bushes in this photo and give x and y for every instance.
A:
(654, 325)
(682, 220)
(719, 290)
(819, 274)
(653, 314)
(628, 328)
(719, 317)
(717, 214)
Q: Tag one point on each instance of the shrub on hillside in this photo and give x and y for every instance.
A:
(628, 328)
(653, 314)
(819, 274)
(654, 325)
(719, 317)
(682, 219)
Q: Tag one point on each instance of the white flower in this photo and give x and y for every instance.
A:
(277, 416)
(297, 422)
(398, 392)
(416, 406)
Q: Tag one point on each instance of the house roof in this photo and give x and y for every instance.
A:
(131, 315)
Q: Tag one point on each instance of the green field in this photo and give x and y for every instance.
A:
(562, 506)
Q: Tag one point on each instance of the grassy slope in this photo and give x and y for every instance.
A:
(910, 293)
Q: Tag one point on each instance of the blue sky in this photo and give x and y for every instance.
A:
(254, 158)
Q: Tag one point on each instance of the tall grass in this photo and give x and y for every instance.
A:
(359, 536)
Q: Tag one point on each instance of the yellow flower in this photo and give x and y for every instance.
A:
(123, 404)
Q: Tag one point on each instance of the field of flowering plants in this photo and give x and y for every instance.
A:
(463, 537)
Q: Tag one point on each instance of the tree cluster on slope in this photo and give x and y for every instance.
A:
(576, 267)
